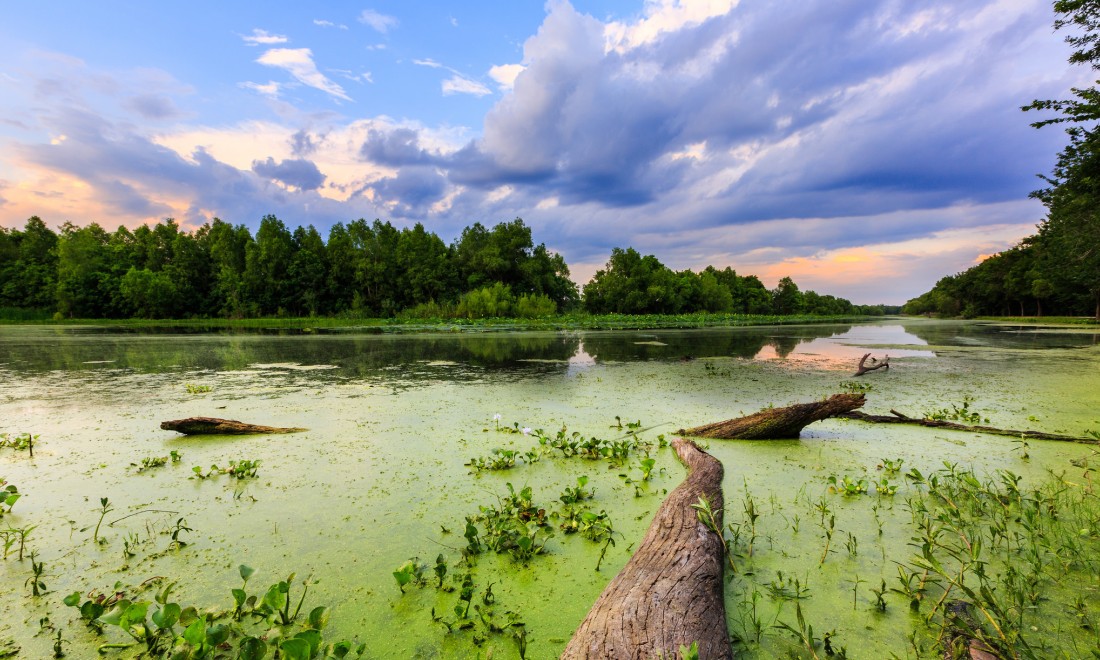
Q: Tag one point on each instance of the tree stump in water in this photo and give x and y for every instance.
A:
(670, 592)
(215, 426)
(777, 423)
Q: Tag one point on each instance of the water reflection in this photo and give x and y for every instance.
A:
(431, 357)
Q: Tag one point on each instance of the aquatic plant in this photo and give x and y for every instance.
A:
(105, 507)
(257, 627)
(21, 442)
(956, 413)
(38, 587)
(846, 485)
(9, 495)
(242, 469)
(150, 462)
(197, 389)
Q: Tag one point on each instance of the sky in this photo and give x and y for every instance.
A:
(865, 148)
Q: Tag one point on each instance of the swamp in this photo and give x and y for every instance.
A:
(470, 494)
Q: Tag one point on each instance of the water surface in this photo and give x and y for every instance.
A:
(393, 418)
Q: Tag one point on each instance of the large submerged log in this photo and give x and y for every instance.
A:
(777, 423)
(897, 418)
(215, 426)
(670, 592)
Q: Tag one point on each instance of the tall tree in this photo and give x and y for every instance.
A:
(1072, 227)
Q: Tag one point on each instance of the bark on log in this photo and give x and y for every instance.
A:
(897, 418)
(777, 423)
(862, 369)
(670, 592)
(215, 426)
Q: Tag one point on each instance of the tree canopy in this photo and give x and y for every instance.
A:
(1056, 270)
(367, 269)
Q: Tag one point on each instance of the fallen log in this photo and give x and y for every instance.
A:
(777, 423)
(897, 418)
(215, 426)
(875, 364)
(670, 592)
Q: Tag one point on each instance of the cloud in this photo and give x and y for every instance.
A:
(298, 62)
(152, 106)
(298, 173)
(263, 38)
(457, 84)
(271, 89)
(428, 62)
(380, 22)
(505, 75)
(328, 24)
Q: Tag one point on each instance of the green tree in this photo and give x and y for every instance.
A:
(1071, 230)
(267, 264)
(787, 299)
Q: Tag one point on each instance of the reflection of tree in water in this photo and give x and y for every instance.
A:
(355, 356)
(709, 342)
(998, 336)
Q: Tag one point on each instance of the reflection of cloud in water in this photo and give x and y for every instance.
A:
(843, 351)
(580, 361)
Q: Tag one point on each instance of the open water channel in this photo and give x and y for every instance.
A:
(379, 477)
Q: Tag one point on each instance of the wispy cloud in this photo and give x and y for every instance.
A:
(380, 22)
(457, 84)
(298, 62)
(428, 62)
(328, 24)
(263, 38)
(271, 89)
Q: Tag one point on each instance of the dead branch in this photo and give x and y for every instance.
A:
(670, 592)
(777, 423)
(215, 426)
(896, 417)
(875, 364)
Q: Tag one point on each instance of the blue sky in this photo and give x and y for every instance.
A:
(865, 148)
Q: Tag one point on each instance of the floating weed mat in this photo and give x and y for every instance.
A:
(521, 525)
(953, 561)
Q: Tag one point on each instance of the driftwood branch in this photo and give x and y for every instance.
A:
(898, 418)
(670, 592)
(215, 426)
(875, 364)
(777, 423)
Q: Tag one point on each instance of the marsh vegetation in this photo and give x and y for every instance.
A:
(477, 492)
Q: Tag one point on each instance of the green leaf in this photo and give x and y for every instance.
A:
(318, 618)
(73, 599)
(311, 637)
(195, 634)
(216, 634)
(252, 648)
(114, 617)
(246, 572)
(295, 648)
(167, 617)
(239, 597)
(188, 615)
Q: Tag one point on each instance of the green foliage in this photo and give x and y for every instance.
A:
(958, 413)
(257, 627)
(150, 462)
(1058, 269)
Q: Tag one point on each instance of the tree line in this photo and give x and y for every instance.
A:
(367, 269)
(1057, 270)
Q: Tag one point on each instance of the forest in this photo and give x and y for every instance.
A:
(1056, 270)
(363, 269)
